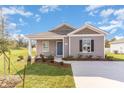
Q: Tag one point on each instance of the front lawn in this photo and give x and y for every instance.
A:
(40, 75)
(44, 75)
(119, 57)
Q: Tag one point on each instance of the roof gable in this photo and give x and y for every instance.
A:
(86, 31)
(63, 29)
(96, 30)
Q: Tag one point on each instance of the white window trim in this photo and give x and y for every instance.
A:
(43, 50)
(90, 45)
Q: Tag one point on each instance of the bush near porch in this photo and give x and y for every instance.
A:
(39, 75)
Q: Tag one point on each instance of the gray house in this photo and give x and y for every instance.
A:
(65, 40)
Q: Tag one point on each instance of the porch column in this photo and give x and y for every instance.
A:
(63, 47)
(69, 46)
(29, 48)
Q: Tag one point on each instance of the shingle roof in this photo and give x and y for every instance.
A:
(44, 34)
(59, 31)
(118, 41)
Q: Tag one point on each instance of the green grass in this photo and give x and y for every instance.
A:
(116, 56)
(40, 75)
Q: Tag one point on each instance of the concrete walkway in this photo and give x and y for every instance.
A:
(98, 74)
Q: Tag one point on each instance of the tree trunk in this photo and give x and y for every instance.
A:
(24, 76)
(4, 67)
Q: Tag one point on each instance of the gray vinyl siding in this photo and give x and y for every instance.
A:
(66, 46)
(98, 46)
(86, 31)
(52, 47)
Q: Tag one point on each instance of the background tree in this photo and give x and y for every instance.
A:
(107, 43)
(113, 39)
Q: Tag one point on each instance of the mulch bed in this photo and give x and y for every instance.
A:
(10, 82)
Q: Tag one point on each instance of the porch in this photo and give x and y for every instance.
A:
(47, 47)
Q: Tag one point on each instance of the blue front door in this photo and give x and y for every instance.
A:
(59, 48)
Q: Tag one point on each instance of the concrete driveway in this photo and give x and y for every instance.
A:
(98, 74)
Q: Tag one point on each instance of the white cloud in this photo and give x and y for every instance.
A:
(119, 36)
(22, 22)
(106, 13)
(11, 26)
(92, 13)
(16, 10)
(120, 14)
(37, 17)
(88, 22)
(111, 26)
(18, 36)
(113, 31)
(107, 27)
(93, 7)
(49, 8)
(114, 22)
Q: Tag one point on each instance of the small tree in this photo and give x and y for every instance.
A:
(4, 45)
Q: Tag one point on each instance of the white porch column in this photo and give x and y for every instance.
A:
(63, 46)
(69, 46)
(29, 48)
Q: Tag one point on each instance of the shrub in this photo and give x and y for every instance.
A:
(68, 58)
(61, 63)
(21, 57)
(29, 59)
(50, 57)
(90, 56)
(38, 59)
(79, 56)
(98, 58)
(42, 58)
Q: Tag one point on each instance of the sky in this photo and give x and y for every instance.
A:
(34, 19)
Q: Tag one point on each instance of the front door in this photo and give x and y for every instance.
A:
(59, 48)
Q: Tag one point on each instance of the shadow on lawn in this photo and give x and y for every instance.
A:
(45, 69)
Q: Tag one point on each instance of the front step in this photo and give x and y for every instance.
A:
(58, 59)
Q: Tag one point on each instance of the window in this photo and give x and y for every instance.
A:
(45, 46)
(86, 45)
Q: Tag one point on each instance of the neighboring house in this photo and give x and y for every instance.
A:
(117, 46)
(66, 40)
